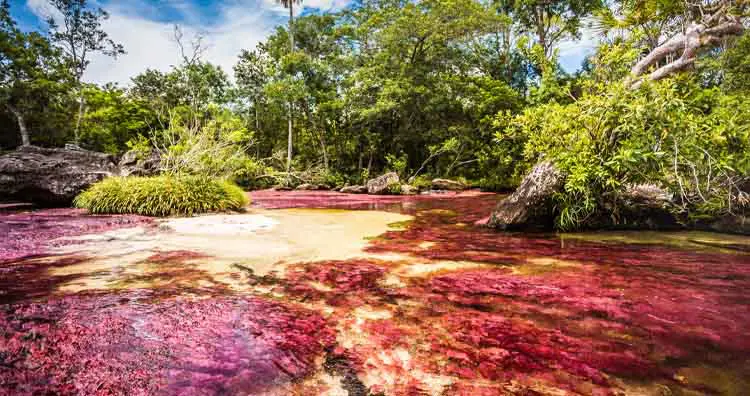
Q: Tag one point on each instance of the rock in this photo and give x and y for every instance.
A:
(447, 184)
(638, 207)
(407, 189)
(354, 190)
(307, 187)
(380, 185)
(51, 177)
(133, 164)
(728, 224)
(530, 207)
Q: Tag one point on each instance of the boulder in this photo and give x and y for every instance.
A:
(133, 163)
(447, 184)
(638, 207)
(407, 189)
(727, 224)
(530, 207)
(354, 190)
(380, 185)
(51, 177)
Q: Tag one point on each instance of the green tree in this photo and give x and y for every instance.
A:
(32, 72)
(551, 21)
(79, 34)
(290, 5)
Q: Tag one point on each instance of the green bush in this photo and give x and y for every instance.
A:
(692, 140)
(161, 196)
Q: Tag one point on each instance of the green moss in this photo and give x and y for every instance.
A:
(161, 196)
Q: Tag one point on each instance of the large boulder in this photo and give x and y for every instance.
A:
(447, 184)
(134, 163)
(380, 185)
(638, 207)
(530, 207)
(51, 177)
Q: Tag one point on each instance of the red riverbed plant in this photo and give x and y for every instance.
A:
(28, 233)
(519, 314)
(144, 343)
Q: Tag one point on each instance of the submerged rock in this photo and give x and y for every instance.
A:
(51, 176)
(380, 185)
(447, 184)
(530, 207)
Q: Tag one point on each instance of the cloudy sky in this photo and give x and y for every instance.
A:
(145, 28)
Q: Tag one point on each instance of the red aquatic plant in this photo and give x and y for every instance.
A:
(29, 233)
(130, 344)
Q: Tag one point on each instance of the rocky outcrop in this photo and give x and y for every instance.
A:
(51, 177)
(354, 190)
(133, 163)
(638, 207)
(380, 185)
(447, 184)
(530, 207)
(727, 224)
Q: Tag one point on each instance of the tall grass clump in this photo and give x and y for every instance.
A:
(167, 195)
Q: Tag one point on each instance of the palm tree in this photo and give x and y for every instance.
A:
(290, 5)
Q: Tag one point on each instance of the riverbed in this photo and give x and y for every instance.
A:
(317, 293)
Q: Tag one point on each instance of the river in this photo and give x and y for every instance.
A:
(316, 293)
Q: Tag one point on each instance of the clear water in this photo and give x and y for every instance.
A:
(316, 293)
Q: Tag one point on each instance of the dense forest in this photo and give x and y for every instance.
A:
(463, 89)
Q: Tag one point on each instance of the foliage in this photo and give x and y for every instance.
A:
(161, 196)
(214, 145)
(114, 119)
(692, 140)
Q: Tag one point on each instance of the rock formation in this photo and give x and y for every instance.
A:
(530, 207)
(51, 177)
(380, 185)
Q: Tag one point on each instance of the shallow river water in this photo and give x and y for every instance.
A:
(312, 293)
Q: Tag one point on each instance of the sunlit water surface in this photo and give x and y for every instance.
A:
(317, 293)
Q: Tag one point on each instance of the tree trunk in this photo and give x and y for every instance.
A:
(541, 29)
(289, 141)
(257, 119)
(291, 47)
(79, 118)
(25, 140)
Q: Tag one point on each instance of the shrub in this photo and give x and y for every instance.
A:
(161, 196)
(691, 140)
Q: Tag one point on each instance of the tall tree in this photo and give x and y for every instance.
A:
(32, 71)
(79, 34)
(551, 21)
(290, 5)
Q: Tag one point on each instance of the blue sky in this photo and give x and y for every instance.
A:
(145, 28)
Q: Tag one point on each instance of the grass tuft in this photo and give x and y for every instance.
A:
(161, 196)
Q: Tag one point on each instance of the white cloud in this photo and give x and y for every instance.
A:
(239, 24)
(573, 52)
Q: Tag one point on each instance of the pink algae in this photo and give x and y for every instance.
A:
(138, 343)
(28, 233)
(541, 316)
